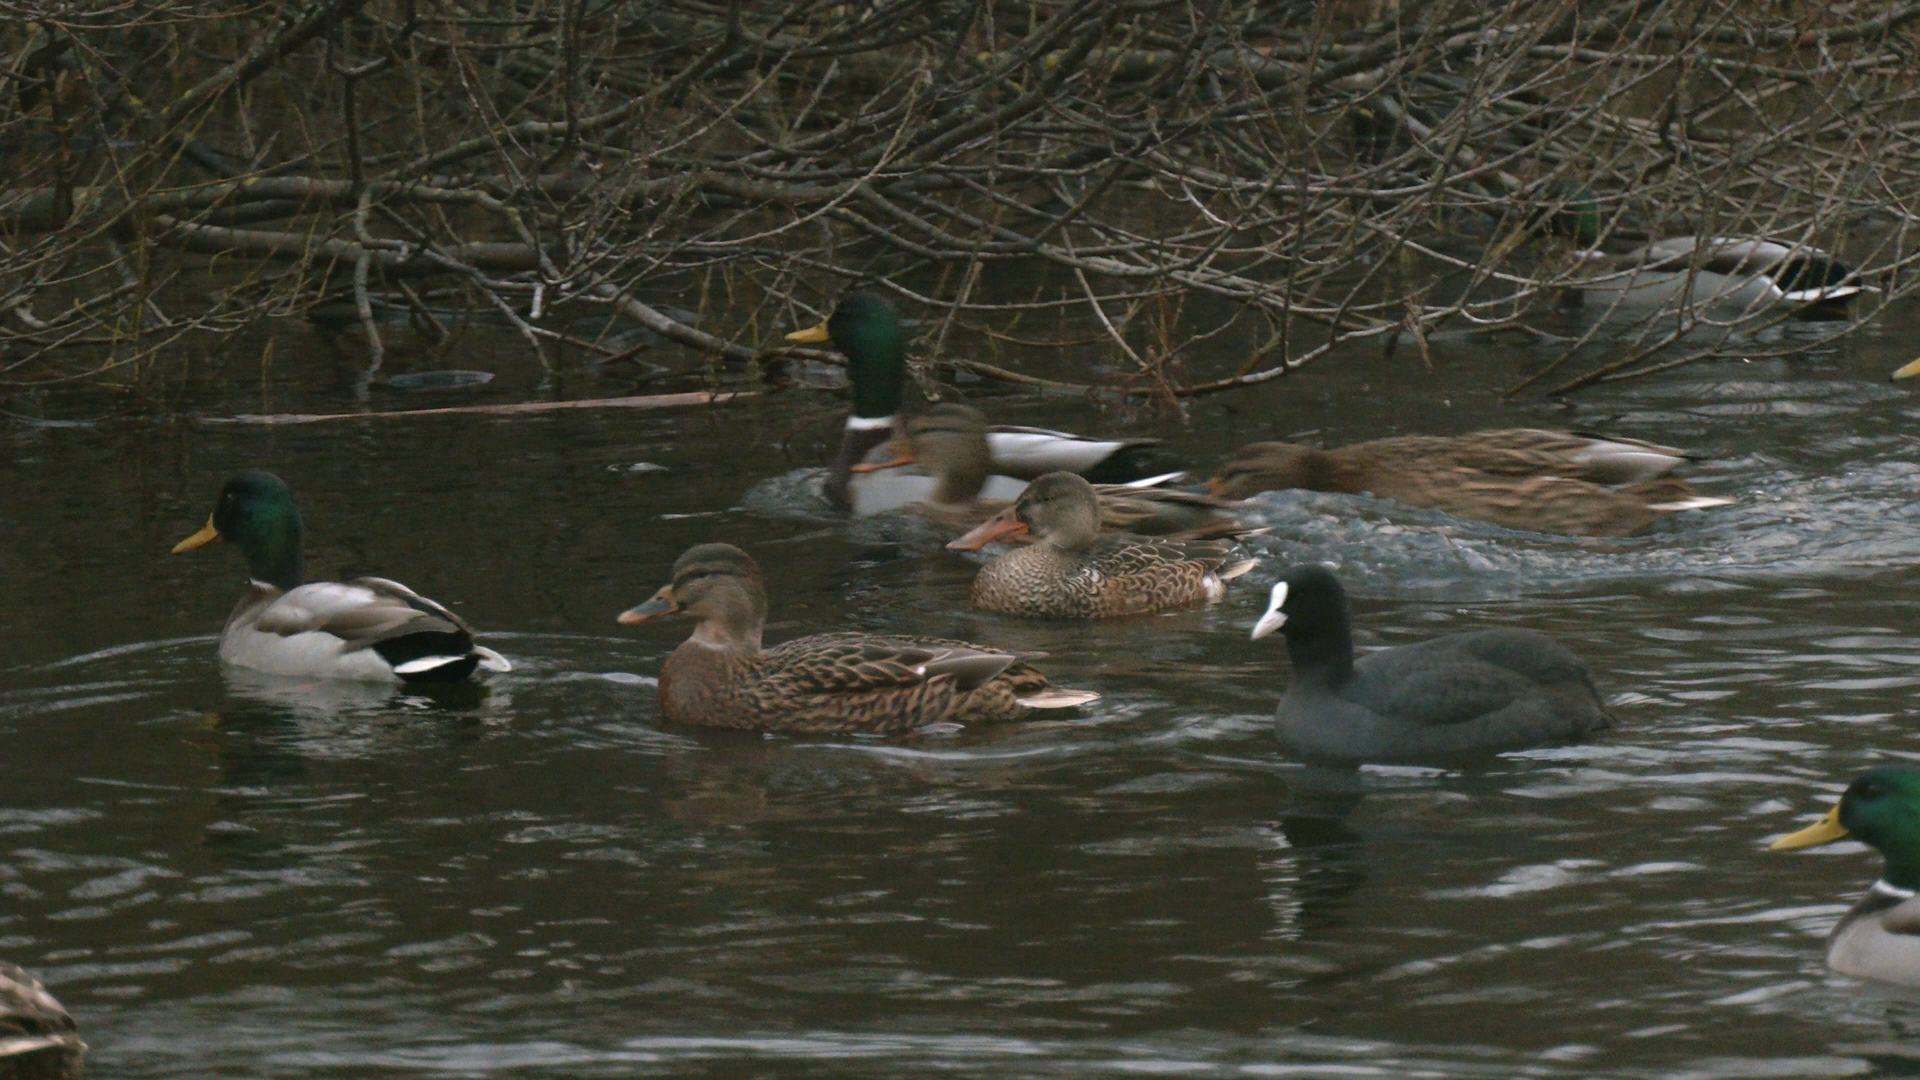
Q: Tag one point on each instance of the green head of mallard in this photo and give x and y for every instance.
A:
(867, 330)
(716, 585)
(257, 514)
(1880, 809)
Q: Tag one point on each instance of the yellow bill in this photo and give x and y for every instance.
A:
(1825, 831)
(813, 335)
(207, 535)
(1911, 369)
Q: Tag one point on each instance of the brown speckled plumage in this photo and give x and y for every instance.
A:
(1520, 478)
(949, 440)
(721, 677)
(1072, 571)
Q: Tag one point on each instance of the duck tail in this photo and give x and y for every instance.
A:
(490, 660)
(1056, 697)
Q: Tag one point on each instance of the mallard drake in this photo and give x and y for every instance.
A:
(721, 677)
(1475, 693)
(1880, 937)
(867, 330)
(38, 1040)
(1718, 277)
(1072, 570)
(369, 629)
(950, 442)
(1520, 478)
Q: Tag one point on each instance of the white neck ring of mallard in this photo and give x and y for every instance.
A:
(871, 423)
(1884, 888)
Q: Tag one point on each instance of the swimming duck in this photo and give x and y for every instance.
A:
(721, 677)
(867, 330)
(369, 629)
(1719, 277)
(38, 1040)
(1072, 570)
(1456, 695)
(949, 440)
(1519, 478)
(1880, 937)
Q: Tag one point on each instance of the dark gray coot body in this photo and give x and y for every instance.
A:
(1455, 696)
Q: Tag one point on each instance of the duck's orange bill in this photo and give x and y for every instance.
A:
(207, 535)
(810, 336)
(1825, 831)
(1001, 526)
(876, 466)
(1216, 487)
(662, 603)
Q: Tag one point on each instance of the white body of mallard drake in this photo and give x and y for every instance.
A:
(368, 629)
(1715, 277)
(1880, 937)
(867, 330)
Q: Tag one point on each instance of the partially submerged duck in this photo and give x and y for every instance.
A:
(1519, 478)
(867, 330)
(370, 629)
(1072, 570)
(1880, 937)
(38, 1040)
(869, 683)
(1718, 278)
(1453, 696)
(949, 441)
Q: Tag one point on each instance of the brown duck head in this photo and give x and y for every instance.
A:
(1273, 466)
(1058, 509)
(950, 441)
(718, 586)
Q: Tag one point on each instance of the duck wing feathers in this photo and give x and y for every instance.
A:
(362, 613)
(859, 663)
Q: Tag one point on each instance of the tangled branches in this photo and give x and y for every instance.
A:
(1182, 197)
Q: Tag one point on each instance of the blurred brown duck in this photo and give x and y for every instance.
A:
(949, 441)
(1520, 478)
(1074, 571)
(721, 677)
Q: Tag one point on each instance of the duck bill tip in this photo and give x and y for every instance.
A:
(1825, 831)
(652, 609)
(812, 335)
(207, 535)
(1908, 370)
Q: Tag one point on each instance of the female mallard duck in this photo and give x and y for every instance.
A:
(1717, 277)
(720, 677)
(1456, 695)
(369, 629)
(38, 1040)
(867, 330)
(1880, 937)
(1520, 478)
(1072, 570)
(950, 441)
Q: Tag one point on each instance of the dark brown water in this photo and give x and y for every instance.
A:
(225, 876)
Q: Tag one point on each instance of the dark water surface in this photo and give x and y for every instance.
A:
(225, 876)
